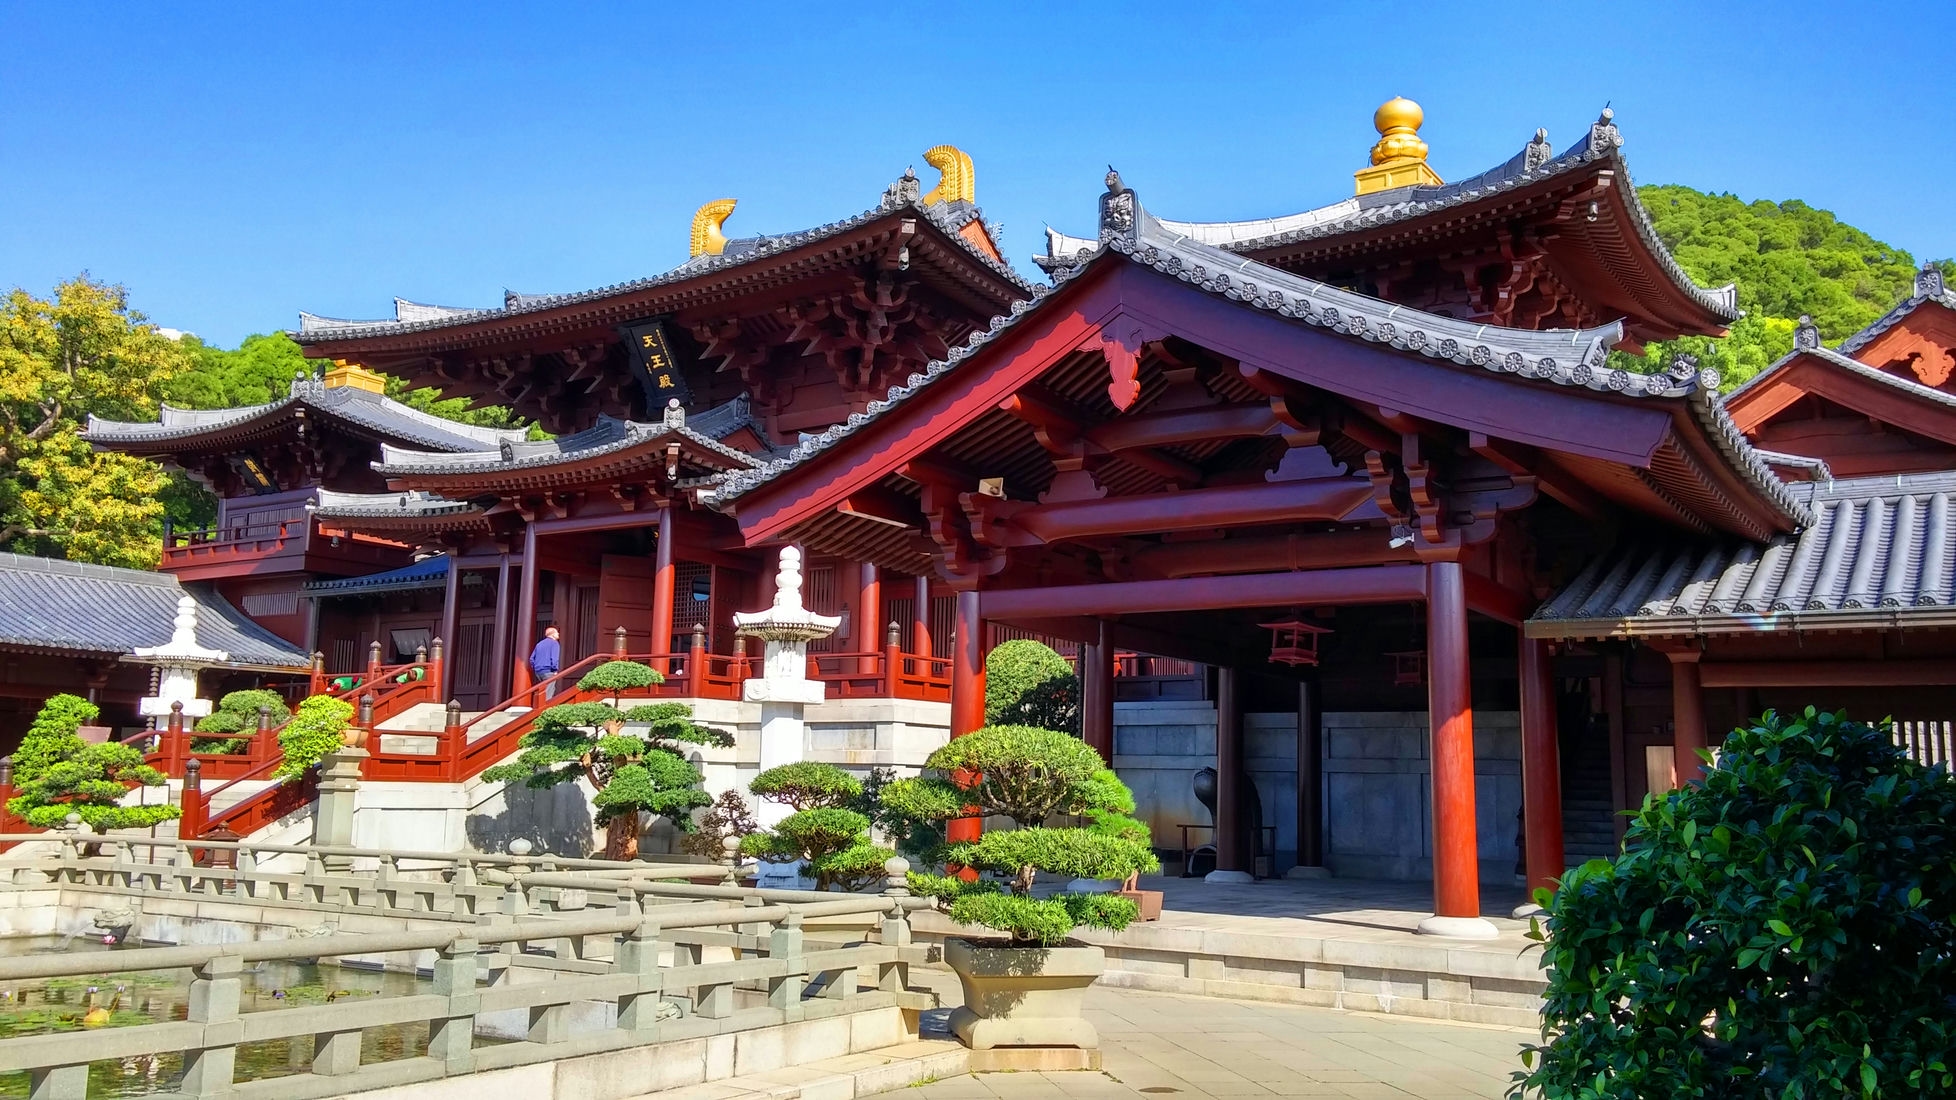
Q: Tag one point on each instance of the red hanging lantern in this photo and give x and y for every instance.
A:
(1408, 666)
(1294, 642)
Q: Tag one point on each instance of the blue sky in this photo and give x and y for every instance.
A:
(235, 164)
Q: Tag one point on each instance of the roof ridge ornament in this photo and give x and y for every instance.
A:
(1538, 151)
(903, 192)
(707, 238)
(1929, 282)
(957, 181)
(1399, 157)
(1806, 335)
(675, 415)
(1119, 209)
(1604, 137)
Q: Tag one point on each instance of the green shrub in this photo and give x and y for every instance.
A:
(633, 772)
(1027, 684)
(1782, 929)
(315, 730)
(1028, 775)
(56, 773)
(237, 712)
(829, 838)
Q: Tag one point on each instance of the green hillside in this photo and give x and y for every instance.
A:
(1788, 259)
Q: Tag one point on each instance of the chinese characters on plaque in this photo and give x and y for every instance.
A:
(652, 363)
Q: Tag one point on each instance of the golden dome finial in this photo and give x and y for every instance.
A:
(1399, 157)
(957, 182)
(707, 220)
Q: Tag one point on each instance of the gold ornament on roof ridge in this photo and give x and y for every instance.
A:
(1399, 157)
(354, 376)
(708, 240)
(957, 182)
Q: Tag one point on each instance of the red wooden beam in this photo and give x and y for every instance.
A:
(1326, 587)
(1926, 672)
(1183, 426)
(1321, 499)
(1263, 554)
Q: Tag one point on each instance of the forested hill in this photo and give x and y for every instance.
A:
(1788, 259)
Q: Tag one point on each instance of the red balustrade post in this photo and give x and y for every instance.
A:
(696, 663)
(8, 822)
(316, 682)
(620, 640)
(453, 740)
(893, 660)
(190, 822)
(373, 662)
(175, 747)
(737, 668)
(433, 683)
(261, 748)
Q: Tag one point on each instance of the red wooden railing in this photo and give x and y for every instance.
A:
(251, 541)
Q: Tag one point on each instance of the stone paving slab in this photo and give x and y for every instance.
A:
(1186, 1048)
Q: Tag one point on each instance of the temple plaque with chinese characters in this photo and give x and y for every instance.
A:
(653, 364)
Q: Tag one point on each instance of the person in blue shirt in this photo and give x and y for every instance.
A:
(544, 659)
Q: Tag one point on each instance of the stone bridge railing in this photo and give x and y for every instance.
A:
(675, 960)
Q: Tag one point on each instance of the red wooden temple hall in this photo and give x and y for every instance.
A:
(1389, 424)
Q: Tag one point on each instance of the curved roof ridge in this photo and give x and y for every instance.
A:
(372, 411)
(314, 328)
(1849, 363)
(1929, 287)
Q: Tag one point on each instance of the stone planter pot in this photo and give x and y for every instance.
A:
(1148, 901)
(353, 737)
(1023, 996)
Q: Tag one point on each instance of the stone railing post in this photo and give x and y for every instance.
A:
(451, 1037)
(339, 797)
(786, 944)
(894, 976)
(638, 954)
(214, 995)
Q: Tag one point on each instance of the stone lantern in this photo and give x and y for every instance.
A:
(783, 689)
(178, 661)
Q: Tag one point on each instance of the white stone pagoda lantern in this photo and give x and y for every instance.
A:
(179, 660)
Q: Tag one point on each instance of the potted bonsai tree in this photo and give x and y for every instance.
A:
(830, 839)
(56, 773)
(630, 756)
(1024, 988)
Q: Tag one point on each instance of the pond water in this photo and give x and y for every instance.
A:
(127, 999)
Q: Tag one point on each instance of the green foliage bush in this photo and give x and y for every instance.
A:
(1029, 775)
(56, 773)
(729, 816)
(314, 731)
(1786, 928)
(830, 839)
(237, 712)
(1027, 684)
(633, 772)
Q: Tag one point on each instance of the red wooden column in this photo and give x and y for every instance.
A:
(1233, 846)
(1541, 771)
(500, 687)
(868, 621)
(1450, 712)
(451, 619)
(920, 641)
(1097, 693)
(526, 615)
(967, 690)
(663, 573)
(1687, 717)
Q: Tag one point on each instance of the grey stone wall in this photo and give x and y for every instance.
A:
(1377, 786)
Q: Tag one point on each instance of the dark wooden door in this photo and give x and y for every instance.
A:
(625, 599)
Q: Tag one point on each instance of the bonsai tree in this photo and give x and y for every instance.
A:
(830, 839)
(1786, 927)
(914, 838)
(56, 773)
(1027, 684)
(237, 713)
(1029, 775)
(728, 816)
(318, 727)
(635, 772)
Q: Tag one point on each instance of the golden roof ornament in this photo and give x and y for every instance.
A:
(1399, 158)
(957, 182)
(707, 220)
(355, 377)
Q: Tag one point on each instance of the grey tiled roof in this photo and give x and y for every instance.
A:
(1603, 143)
(1563, 357)
(1929, 287)
(1879, 550)
(608, 435)
(74, 607)
(330, 505)
(429, 572)
(378, 414)
(1853, 366)
(901, 197)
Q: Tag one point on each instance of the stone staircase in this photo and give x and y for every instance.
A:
(433, 718)
(1588, 825)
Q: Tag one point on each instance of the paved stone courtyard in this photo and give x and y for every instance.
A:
(1158, 1044)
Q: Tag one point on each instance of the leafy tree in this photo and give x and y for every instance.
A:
(828, 837)
(1028, 775)
(237, 712)
(81, 351)
(316, 729)
(1784, 928)
(1027, 684)
(913, 837)
(729, 816)
(56, 773)
(633, 772)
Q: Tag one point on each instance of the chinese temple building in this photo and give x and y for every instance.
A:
(1351, 505)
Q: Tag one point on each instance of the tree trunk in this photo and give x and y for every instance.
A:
(621, 836)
